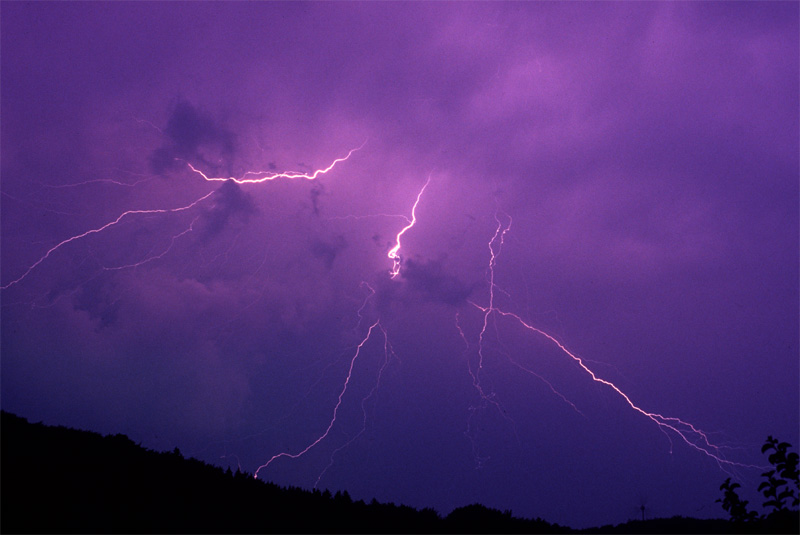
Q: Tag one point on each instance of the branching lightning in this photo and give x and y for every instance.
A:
(335, 408)
(387, 353)
(395, 257)
(687, 432)
(495, 246)
(102, 228)
(491, 313)
(262, 177)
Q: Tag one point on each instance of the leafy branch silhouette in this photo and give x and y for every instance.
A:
(785, 469)
(780, 496)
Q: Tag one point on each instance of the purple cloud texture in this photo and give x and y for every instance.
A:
(642, 156)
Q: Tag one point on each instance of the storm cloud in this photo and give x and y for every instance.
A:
(193, 136)
(643, 157)
(429, 278)
(230, 204)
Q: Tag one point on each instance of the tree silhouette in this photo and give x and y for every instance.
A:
(735, 506)
(785, 468)
(780, 496)
(89, 483)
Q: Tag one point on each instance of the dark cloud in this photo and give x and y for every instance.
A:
(315, 194)
(421, 277)
(195, 137)
(327, 250)
(429, 278)
(230, 203)
(96, 297)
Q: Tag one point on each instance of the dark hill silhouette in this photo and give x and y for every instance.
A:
(60, 480)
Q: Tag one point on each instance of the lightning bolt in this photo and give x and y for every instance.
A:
(672, 427)
(102, 228)
(124, 215)
(495, 246)
(393, 252)
(257, 177)
(327, 431)
(687, 432)
(160, 255)
(387, 353)
(395, 257)
(98, 181)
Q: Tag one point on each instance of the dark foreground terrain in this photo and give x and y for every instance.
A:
(59, 480)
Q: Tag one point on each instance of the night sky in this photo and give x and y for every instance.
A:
(620, 176)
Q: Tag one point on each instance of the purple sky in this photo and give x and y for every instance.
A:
(645, 154)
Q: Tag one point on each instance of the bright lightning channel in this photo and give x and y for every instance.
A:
(395, 257)
(262, 176)
(393, 253)
(688, 433)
